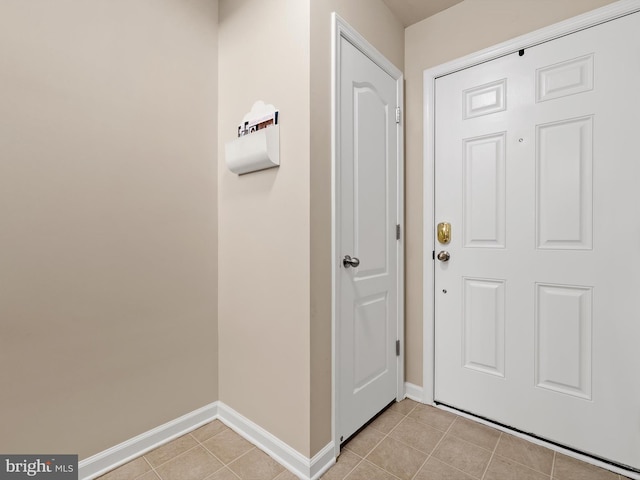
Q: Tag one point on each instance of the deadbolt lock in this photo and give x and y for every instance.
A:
(444, 232)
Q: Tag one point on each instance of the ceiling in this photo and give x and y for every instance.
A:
(413, 11)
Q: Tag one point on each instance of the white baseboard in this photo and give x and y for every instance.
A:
(113, 457)
(414, 392)
(322, 461)
(291, 459)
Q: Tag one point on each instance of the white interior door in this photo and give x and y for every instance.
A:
(537, 170)
(367, 250)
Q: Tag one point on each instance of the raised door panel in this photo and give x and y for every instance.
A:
(371, 340)
(485, 99)
(563, 339)
(484, 325)
(484, 191)
(371, 215)
(564, 190)
(565, 78)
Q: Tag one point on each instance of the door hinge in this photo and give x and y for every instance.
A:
(433, 255)
(398, 232)
(397, 114)
(397, 348)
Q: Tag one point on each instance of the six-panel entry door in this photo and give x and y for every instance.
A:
(368, 295)
(538, 174)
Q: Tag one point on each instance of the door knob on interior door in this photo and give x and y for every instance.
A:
(444, 256)
(347, 261)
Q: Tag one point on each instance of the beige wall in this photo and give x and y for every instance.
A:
(264, 221)
(274, 242)
(373, 20)
(108, 207)
(462, 29)
(108, 139)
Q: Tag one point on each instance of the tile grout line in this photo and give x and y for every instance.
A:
(376, 445)
(238, 458)
(553, 466)
(388, 435)
(214, 455)
(407, 416)
(198, 444)
(495, 448)
(172, 458)
(224, 465)
(471, 443)
(362, 459)
(380, 468)
(443, 432)
(502, 434)
(152, 469)
(425, 461)
(354, 467)
(436, 447)
(528, 467)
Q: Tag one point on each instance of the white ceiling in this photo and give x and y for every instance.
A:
(412, 11)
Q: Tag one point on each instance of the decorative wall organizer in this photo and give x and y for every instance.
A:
(258, 144)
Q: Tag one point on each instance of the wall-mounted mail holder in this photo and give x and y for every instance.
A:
(258, 144)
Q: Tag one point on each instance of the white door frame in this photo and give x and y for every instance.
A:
(341, 29)
(589, 19)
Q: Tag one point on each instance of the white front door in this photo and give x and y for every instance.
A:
(367, 248)
(537, 171)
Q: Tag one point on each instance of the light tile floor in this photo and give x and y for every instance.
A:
(409, 441)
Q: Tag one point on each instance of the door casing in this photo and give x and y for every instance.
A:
(341, 29)
(581, 22)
